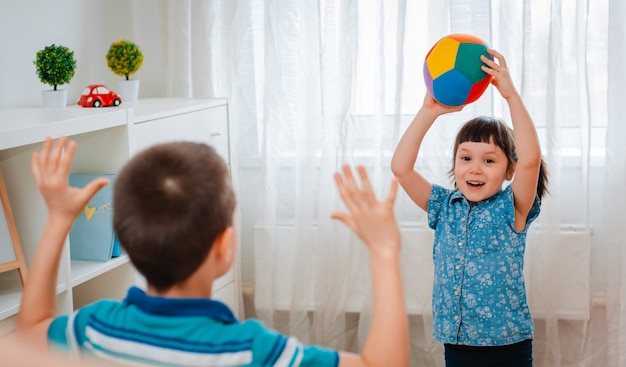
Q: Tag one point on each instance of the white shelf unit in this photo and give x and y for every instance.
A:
(107, 138)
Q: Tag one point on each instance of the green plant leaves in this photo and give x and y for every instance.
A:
(55, 65)
(124, 58)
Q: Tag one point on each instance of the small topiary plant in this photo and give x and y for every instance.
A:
(55, 65)
(124, 58)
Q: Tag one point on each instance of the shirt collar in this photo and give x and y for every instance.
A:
(457, 195)
(179, 306)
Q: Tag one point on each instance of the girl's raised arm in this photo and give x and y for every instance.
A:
(405, 155)
(526, 140)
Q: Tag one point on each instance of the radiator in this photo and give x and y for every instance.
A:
(560, 268)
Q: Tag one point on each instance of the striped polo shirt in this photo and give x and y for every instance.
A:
(156, 331)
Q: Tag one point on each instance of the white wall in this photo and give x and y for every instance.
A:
(86, 27)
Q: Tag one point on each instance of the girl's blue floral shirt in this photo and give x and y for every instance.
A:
(479, 293)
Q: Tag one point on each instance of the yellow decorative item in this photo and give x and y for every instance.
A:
(89, 212)
(92, 237)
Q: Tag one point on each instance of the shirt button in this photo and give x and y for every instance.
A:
(457, 267)
(456, 317)
(456, 292)
(460, 243)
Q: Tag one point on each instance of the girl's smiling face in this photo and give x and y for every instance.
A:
(480, 169)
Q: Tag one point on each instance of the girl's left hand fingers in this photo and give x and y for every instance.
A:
(489, 63)
(497, 55)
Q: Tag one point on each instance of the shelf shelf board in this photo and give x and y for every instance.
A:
(83, 271)
(24, 126)
(156, 108)
(10, 297)
(11, 294)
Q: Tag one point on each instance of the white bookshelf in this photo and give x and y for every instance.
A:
(83, 271)
(107, 138)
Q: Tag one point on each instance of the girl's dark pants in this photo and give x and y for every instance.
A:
(514, 355)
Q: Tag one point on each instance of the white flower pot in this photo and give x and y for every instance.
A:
(54, 98)
(128, 90)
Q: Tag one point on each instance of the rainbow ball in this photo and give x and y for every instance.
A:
(452, 70)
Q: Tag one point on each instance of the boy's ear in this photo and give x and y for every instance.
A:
(223, 244)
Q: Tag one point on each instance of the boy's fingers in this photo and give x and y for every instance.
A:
(56, 151)
(67, 155)
(345, 197)
(393, 190)
(350, 182)
(45, 151)
(339, 183)
(343, 217)
(341, 187)
(34, 166)
(365, 182)
(91, 188)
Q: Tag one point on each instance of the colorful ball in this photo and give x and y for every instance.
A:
(452, 70)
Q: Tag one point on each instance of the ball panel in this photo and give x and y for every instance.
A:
(478, 89)
(428, 80)
(468, 61)
(451, 88)
(465, 38)
(442, 57)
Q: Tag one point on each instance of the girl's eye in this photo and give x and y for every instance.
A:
(488, 160)
(464, 158)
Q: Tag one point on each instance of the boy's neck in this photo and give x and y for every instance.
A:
(194, 287)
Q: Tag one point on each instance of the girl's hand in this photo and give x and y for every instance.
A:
(501, 76)
(437, 108)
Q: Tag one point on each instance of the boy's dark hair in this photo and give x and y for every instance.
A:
(484, 128)
(171, 201)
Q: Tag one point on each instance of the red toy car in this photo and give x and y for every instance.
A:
(98, 95)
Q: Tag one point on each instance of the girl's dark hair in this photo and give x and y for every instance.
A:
(484, 128)
(171, 201)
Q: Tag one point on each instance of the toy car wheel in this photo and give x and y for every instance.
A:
(116, 102)
(97, 103)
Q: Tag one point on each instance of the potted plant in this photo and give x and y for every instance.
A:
(124, 58)
(55, 66)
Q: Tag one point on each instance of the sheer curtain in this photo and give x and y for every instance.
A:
(314, 84)
(615, 199)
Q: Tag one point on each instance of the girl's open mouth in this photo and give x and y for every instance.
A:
(475, 183)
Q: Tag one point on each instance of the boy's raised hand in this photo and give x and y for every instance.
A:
(370, 219)
(375, 224)
(50, 168)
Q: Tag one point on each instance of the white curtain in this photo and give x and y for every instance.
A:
(314, 84)
(615, 197)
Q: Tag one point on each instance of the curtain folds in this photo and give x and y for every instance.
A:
(315, 84)
(615, 197)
